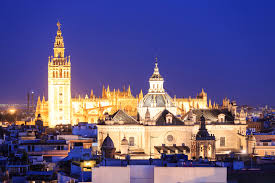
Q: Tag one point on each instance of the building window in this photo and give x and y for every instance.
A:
(265, 143)
(131, 141)
(222, 141)
(169, 118)
(170, 138)
(201, 151)
(221, 117)
(209, 153)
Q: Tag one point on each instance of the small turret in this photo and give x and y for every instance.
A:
(108, 93)
(108, 148)
(124, 146)
(92, 93)
(140, 96)
(147, 115)
(210, 105)
(203, 144)
(38, 106)
(43, 100)
(129, 92)
(103, 92)
(38, 101)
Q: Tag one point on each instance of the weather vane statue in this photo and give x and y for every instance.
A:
(58, 25)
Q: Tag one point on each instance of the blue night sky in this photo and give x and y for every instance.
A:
(225, 47)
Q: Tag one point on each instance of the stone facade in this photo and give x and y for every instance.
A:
(146, 137)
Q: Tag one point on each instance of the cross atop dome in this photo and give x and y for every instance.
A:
(156, 74)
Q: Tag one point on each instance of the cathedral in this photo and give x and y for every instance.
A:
(143, 126)
(158, 128)
(62, 108)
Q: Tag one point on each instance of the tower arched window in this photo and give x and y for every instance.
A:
(60, 72)
(209, 152)
(201, 151)
(53, 74)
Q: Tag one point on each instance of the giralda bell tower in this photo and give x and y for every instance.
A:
(59, 84)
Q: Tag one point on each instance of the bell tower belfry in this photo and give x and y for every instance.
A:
(59, 83)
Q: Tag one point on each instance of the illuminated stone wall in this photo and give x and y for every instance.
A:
(147, 137)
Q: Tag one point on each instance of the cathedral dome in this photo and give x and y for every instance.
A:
(157, 100)
(108, 143)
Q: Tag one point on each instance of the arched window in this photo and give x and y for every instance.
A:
(131, 141)
(60, 72)
(201, 151)
(209, 152)
(222, 141)
(53, 74)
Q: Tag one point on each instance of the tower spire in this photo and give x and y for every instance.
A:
(59, 43)
(58, 24)
(129, 91)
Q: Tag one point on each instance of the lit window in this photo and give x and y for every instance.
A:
(131, 141)
(222, 141)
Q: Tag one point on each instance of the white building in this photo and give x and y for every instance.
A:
(152, 174)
